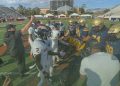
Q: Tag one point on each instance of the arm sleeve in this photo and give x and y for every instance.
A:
(83, 67)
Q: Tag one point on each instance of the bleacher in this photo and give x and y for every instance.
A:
(6, 12)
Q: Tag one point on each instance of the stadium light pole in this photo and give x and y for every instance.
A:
(49, 4)
(57, 6)
(65, 8)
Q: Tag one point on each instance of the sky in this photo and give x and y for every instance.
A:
(97, 3)
(90, 4)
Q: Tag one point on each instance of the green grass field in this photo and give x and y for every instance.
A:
(11, 66)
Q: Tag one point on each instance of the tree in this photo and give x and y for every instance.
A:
(36, 11)
(75, 10)
(83, 6)
(28, 11)
(13, 8)
(48, 11)
(55, 13)
(69, 12)
(81, 10)
(21, 9)
(106, 10)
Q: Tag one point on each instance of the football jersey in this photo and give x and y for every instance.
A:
(100, 36)
(101, 69)
(55, 34)
(113, 47)
(39, 47)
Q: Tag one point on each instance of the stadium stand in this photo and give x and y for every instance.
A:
(7, 13)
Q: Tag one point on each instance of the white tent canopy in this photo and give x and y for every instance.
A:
(48, 15)
(61, 16)
(74, 15)
(86, 15)
(101, 16)
(39, 16)
(114, 17)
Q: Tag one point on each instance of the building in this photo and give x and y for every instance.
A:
(44, 10)
(54, 4)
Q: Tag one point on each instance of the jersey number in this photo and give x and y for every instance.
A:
(37, 50)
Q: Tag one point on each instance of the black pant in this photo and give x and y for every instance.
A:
(1, 61)
(21, 63)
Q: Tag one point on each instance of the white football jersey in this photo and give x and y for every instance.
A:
(55, 34)
(40, 47)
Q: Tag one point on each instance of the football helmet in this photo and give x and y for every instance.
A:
(115, 30)
(97, 22)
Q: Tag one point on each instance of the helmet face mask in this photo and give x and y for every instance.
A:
(41, 34)
(36, 33)
(45, 35)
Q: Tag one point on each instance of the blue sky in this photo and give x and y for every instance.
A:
(44, 3)
(97, 3)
